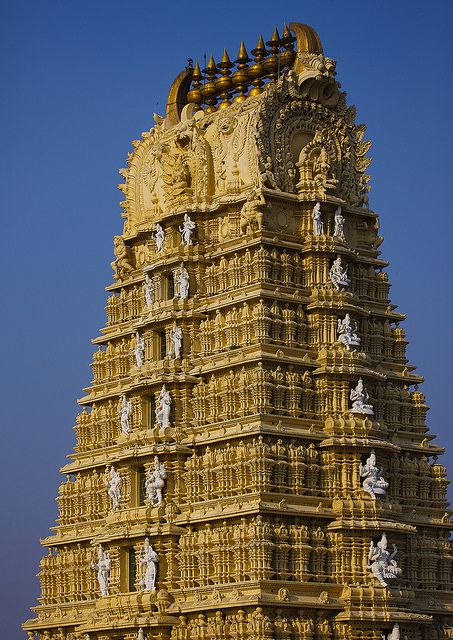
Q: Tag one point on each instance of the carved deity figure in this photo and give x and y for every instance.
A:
(124, 410)
(382, 563)
(338, 231)
(148, 286)
(139, 349)
(182, 282)
(148, 561)
(186, 230)
(175, 341)
(251, 212)
(163, 407)
(347, 333)
(318, 225)
(267, 176)
(338, 274)
(114, 488)
(121, 263)
(359, 397)
(159, 238)
(373, 482)
(394, 633)
(103, 568)
(155, 481)
(321, 171)
(141, 634)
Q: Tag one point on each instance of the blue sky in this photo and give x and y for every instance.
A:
(80, 80)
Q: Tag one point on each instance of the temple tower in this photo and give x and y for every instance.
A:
(252, 459)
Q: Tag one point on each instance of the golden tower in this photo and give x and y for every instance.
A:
(252, 459)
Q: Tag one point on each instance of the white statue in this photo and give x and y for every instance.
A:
(394, 634)
(318, 225)
(175, 341)
(338, 275)
(381, 562)
(359, 397)
(141, 634)
(124, 411)
(103, 568)
(347, 333)
(148, 560)
(339, 224)
(159, 238)
(149, 290)
(374, 482)
(182, 282)
(155, 481)
(186, 230)
(114, 488)
(139, 349)
(163, 408)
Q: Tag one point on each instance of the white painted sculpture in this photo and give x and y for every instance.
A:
(188, 227)
(124, 411)
(338, 275)
(149, 561)
(159, 238)
(175, 341)
(149, 290)
(163, 408)
(155, 482)
(114, 488)
(339, 224)
(394, 633)
(139, 349)
(318, 225)
(347, 333)
(103, 568)
(141, 634)
(359, 397)
(373, 482)
(182, 282)
(382, 563)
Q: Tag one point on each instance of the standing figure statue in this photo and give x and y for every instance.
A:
(148, 560)
(175, 341)
(182, 282)
(188, 227)
(163, 407)
(149, 290)
(381, 562)
(139, 349)
(155, 481)
(338, 275)
(141, 634)
(394, 633)
(251, 216)
(103, 568)
(159, 238)
(374, 482)
(339, 224)
(347, 333)
(318, 225)
(114, 488)
(359, 397)
(124, 410)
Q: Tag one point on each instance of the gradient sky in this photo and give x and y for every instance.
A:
(79, 81)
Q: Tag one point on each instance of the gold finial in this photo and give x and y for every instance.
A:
(287, 40)
(209, 88)
(224, 83)
(256, 71)
(195, 95)
(272, 63)
(240, 77)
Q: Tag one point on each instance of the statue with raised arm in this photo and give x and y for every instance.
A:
(394, 633)
(251, 216)
(139, 349)
(359, 397)
(175, 341)
(103, 568)
(148, 560)
(163, 407)
(186, 230)
(347, 333)
(114, 488)
(121, 263)
(382, 563)
(124, 411)
(338, 231)
(148, 286)
(159, 238)
(318, 225)
(338, 274)
(155, 481)
(373, 482)
(182, 282)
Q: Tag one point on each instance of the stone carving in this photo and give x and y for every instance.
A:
(139, 349)
(121, 264)
(163, 407)
(252, 212)
(141, 635)
(373, 482)
(159, 238)
(155, 481)
(358, 397)
(103, 568)
(175, 341)
(124, 411)
(339, 275)
(318, 225)
(382, 563)
(182, 282)
(114, 488)
(176, 174)
(338, 231)
(267, 176)
(148, 561)
(186, 230)
(347, 333)
(148, 286)
(394, 634)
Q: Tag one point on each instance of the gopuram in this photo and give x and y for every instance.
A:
(252, 459)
